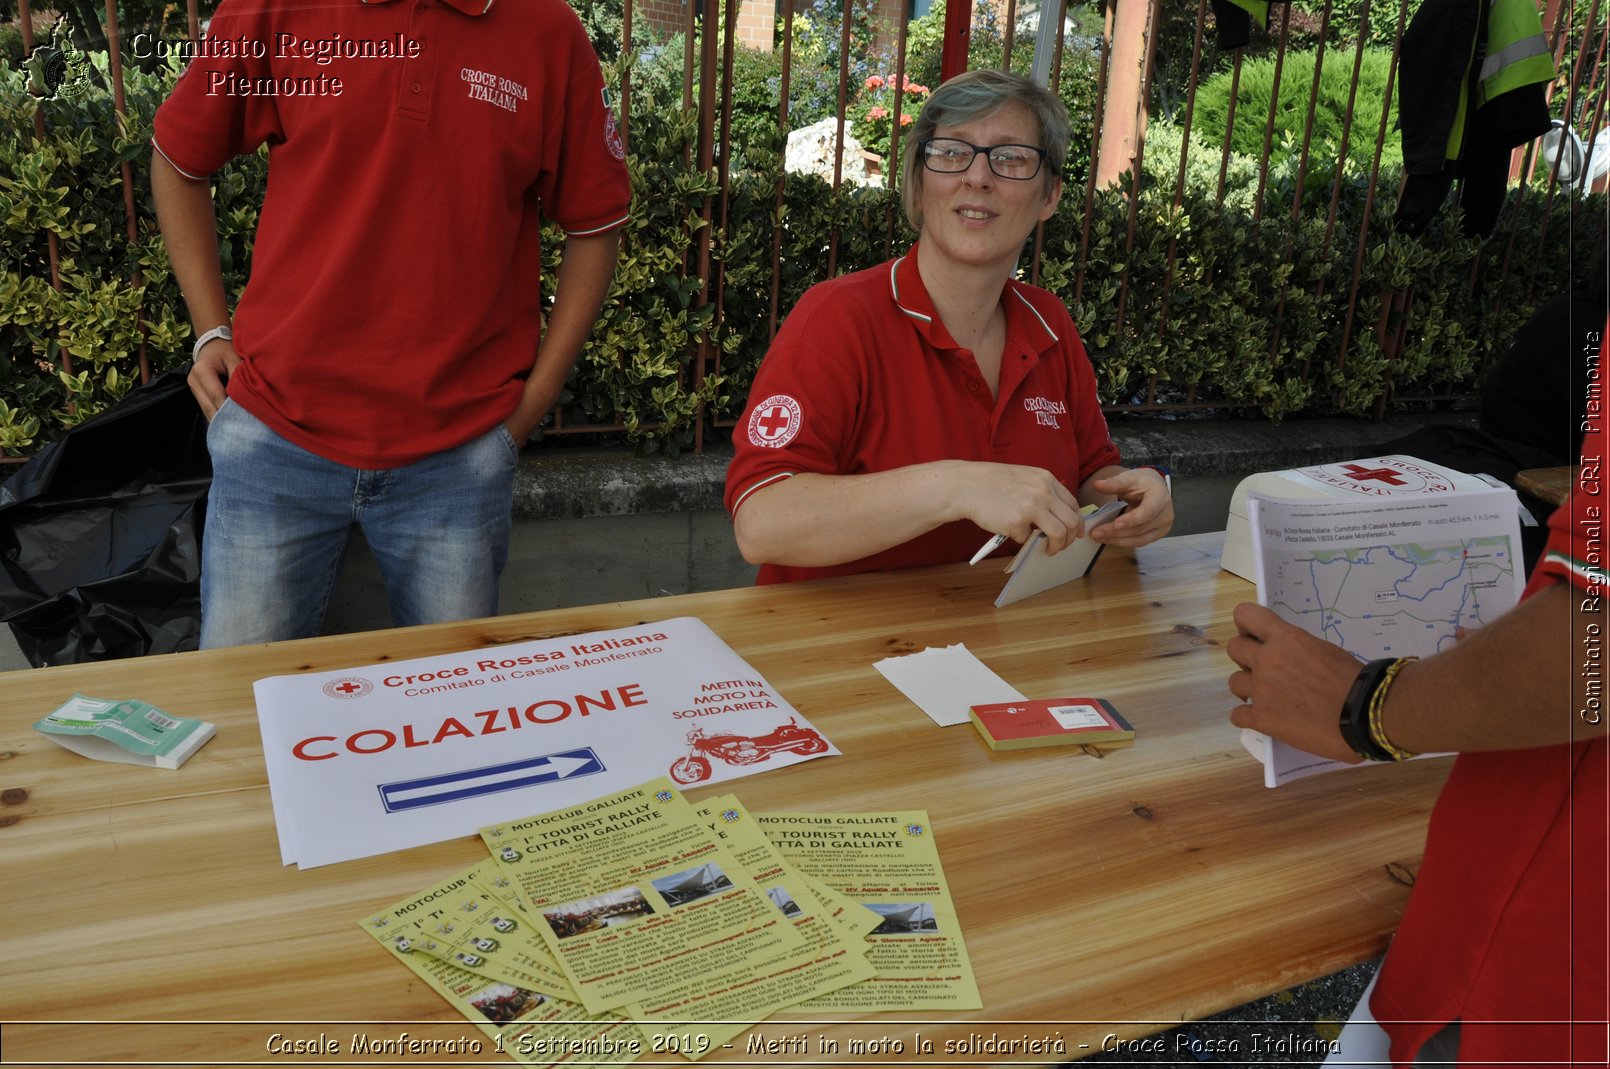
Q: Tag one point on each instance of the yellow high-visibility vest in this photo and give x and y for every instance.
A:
(1517, 55)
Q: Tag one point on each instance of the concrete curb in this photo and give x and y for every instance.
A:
(576, 482)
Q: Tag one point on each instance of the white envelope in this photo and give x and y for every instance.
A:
(1033, 572)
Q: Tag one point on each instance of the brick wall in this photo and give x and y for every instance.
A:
(757, 24)
(886, 14)
(665, 16)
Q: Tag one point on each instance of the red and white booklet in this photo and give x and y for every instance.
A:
(1052, 722)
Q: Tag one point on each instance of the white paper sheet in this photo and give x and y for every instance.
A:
(946, 683)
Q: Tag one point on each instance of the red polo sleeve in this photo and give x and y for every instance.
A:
(1573, 554)
(584, 185)
(202, 125)
(804, 405)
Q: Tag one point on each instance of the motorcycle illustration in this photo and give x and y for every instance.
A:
(741, 750)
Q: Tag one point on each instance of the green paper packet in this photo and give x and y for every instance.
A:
(130, 732)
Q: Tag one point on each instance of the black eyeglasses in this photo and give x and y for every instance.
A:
(947, 155)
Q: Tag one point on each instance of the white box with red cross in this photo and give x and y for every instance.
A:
(1375, 477)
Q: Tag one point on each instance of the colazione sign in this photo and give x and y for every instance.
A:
(366, 760)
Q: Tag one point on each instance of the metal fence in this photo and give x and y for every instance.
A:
(1132, 30)
(1151, 65)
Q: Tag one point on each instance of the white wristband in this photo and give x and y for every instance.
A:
(216, 332)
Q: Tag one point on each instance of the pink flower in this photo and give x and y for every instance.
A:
(878, 113)
(905, 120)
(916, 90)
(875, 81)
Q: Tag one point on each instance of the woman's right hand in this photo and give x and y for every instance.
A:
(1015, 500)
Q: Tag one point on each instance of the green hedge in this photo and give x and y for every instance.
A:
(1254, 89)
(1205, 324)
(1254, 314)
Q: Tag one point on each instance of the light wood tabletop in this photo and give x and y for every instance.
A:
(1552, 485)
(1098, 897)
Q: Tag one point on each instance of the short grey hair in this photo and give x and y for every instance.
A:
(974, 95)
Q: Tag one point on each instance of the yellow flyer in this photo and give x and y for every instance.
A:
(849, 916)
(829, 959)
(462, 922)
(635, 895)
(852, 918)
(889, 863)
(530, 1026)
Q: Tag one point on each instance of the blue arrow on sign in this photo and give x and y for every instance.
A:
(451, 786)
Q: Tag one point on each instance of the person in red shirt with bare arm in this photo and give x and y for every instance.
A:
(906, 413)
(391, 351)
(1503, 951)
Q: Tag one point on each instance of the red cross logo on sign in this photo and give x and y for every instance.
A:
(348, 687)
(1390, 476)
(775, 421)
(1359, 473)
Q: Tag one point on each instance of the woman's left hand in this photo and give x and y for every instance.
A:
(1151, 508)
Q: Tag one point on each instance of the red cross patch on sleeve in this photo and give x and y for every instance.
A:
(612, 134)
(775, 421)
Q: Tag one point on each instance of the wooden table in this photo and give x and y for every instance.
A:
(1552, 485)
(1098, 897)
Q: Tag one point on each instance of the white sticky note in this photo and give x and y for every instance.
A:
(946, 683)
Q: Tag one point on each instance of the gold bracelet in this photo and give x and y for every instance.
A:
(1378, 707)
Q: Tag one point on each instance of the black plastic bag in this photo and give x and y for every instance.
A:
(100, 533)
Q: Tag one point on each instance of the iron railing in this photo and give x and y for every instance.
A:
(708, 88)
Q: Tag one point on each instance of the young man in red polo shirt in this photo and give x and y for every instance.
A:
(389, 354)
(1502, 953)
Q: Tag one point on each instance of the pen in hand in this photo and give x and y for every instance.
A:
(987, 548)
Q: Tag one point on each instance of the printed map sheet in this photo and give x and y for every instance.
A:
(1382, 578)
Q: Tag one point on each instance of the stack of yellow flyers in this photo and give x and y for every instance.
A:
(640, 924)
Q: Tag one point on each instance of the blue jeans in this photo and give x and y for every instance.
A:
(278, 518)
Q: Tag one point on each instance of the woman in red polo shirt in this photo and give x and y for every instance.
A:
(906, 413)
